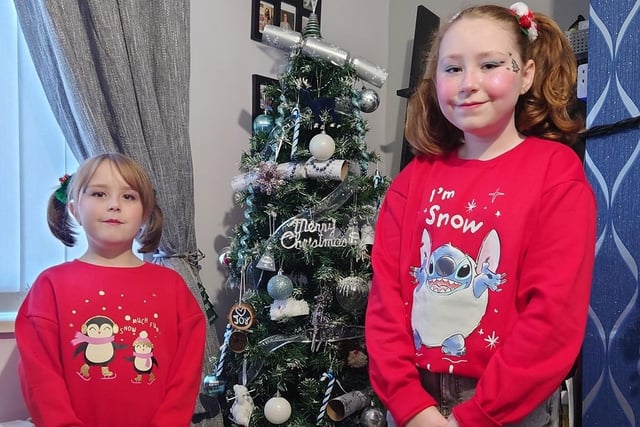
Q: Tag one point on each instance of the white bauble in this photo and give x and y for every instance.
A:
(322, 146)
(277, 410)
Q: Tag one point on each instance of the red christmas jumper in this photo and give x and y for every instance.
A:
(482, 269)
(110, 347)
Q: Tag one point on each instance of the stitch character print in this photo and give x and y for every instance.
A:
(450, 298)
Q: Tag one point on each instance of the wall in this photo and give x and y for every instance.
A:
(223, 57)
(11, 406)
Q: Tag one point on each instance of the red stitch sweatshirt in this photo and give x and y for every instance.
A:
(482, 269)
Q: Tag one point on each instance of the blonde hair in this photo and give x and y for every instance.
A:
(546, 110)
(60, 220)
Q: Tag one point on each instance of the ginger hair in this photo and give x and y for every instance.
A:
(546, 110)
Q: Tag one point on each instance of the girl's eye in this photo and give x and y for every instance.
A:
(130, 197)
(98, 194)
(490, 65)
(452, 69)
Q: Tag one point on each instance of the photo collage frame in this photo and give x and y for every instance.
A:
(287, 14)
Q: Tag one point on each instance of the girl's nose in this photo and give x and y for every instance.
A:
(114, 204)
(470, 81)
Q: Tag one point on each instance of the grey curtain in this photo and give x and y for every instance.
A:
(116, 73)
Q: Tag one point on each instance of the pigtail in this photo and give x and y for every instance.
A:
(60, 221)
(150, 235)
(416, 129)
(548, 109)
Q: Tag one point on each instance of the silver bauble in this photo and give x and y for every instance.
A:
(352, 293)
(368, 101)
(263, 123)
(279, 287)
(372, 417)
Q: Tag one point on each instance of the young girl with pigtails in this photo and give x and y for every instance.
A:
(109, 340)
(485, 241)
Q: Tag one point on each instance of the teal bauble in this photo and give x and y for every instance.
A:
(279, 287)
(212, 385)
(263, 123)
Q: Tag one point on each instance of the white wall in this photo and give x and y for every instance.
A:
(223, 57)
(11, 403)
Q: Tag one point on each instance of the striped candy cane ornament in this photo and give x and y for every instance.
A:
(295, 113)
(223, 351)
(327, 394)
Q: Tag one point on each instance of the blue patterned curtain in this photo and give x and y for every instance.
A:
(611, 355)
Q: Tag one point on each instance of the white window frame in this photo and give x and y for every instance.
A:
(32, 158)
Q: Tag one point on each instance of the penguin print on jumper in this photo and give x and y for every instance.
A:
(95, 341)
(143, 360)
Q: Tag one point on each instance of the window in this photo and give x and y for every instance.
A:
(33, 155)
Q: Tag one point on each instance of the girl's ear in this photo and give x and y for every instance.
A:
(528, 73)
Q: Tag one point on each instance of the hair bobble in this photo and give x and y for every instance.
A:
(61, 192)
(526, 20)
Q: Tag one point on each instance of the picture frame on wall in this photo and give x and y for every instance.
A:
(260, 101)
(287, 14)
(263, 13)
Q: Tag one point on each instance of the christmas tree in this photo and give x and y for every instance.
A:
(294, 352)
